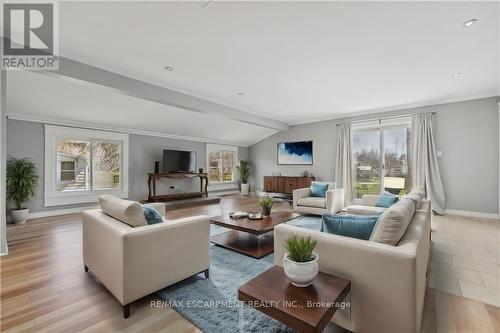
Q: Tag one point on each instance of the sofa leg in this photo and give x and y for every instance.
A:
(86, 268)
(207, 273)
(126, 311)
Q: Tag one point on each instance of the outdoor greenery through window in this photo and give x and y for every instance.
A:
(374, 171)
(87, 165)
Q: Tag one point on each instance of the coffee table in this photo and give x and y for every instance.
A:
(251, 237)
(305, 310)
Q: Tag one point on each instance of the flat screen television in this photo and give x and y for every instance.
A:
(179, 161)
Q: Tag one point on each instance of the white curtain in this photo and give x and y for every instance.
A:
(425, 168)
(343, 162)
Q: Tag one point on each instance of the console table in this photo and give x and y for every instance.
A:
(285, 184)
(153, 177)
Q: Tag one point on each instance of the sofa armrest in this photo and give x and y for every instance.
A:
(382, 277)
(369, 199)
(335, 200)
(162, 254)
(299, 194)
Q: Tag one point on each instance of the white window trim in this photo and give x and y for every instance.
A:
(55, 198)
(214, 186)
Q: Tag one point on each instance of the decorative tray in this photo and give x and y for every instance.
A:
(238, 215)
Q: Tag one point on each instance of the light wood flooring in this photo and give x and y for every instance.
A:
(45, 289)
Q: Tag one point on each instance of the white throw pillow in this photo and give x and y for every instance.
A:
(126, 211)
(393, 222)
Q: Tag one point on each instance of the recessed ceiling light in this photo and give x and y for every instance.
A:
(168, 68)
(470, 22)
(240, 93)
(457, 74)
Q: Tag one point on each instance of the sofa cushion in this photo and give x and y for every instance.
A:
(365, 210)
(151, 214)
(318, 190)
(392, 224)
(386, 200)
(354, 226)
(312, 202)
(126, 211)
(417, 196)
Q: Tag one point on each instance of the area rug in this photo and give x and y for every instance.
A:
(212, 304)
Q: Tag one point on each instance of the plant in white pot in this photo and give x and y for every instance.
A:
(244, 171)
(22, 182)
(300, 261)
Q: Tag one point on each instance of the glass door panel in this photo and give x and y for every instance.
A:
(397, 178)
(366, 162)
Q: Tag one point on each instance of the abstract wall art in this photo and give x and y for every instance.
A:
(295, 153)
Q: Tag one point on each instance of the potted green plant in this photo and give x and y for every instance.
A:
(266, 203)
(244, 171)
(22, 182)
(300, 262)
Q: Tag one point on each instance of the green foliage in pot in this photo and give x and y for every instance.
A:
(22, 180)
(244, 171)
(266, 202)
(300, 249)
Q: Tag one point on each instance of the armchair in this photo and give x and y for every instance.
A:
(331, 203)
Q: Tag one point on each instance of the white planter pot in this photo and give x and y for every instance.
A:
(301, 274)
(19, 216)
(245, 189)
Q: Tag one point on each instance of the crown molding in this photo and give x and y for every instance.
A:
(400, 107)
(93, 126)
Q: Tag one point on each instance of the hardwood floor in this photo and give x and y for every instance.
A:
(44, 287)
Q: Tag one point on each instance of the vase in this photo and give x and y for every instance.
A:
(266, 211)
(19, 215)
(245, 189)
(301, 274)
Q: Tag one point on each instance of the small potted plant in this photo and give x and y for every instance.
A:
(266, 203)
(300, 261)
(22, 181)
(244, 171)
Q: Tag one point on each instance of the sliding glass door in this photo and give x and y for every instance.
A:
(381, 157)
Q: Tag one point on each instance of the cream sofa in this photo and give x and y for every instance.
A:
(331, 203)
(367, 206)
(387, 282)
(134, 262)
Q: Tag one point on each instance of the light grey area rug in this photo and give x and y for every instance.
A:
(212, 304)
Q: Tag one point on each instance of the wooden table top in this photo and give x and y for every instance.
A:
(306, 309)
(256, 227)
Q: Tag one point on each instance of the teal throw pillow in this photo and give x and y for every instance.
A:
(386, 200)
(318, 190)
(354, 226)
(151, 214)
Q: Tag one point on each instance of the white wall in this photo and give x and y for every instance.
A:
(467, 134)
(3, 157)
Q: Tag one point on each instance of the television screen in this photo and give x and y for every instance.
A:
(179, 161)
(298, 153)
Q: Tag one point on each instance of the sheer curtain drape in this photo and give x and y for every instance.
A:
(343, 162)
(425, 168)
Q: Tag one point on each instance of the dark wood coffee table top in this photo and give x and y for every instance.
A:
(306, 309)
(256, 227)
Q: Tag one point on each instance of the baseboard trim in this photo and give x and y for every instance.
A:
(56, 212)
(471, 214)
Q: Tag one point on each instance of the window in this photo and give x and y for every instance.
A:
(81, 164)
(380, 158)
(221, 162)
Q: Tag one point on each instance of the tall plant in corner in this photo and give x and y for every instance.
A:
(22, 182)
(244, 171)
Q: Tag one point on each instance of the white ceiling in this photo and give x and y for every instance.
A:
(294, 61)
(35, 96)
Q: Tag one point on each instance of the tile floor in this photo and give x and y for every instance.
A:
(465, 257)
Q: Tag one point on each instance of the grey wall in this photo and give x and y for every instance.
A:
(26, 139)
(467, 134)
(3, 154)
